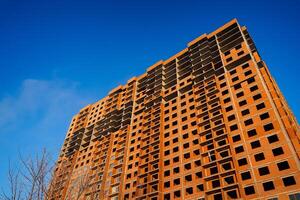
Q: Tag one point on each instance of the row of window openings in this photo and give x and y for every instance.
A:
(212, 157)
(241, 103)
(238, 85)
(287, 181)
(176, 149)
(150, 168)
(188, 178)
(151, 157)
(174, 108)
(256, 144)
(147, 118)
(244, 66)
(177, 194)
(220, 143)
(247, 73)
(209, 97)
(216, 123)
(238, 54)
(226, 53)
(185, 156)
(183, 103)
(155, 131)
(211, 106)
(182, 119)
(132, 156)
(143, 124)
(189, 191)
(184, 127)
(245, 175)
(184, 136)
(219, 132)
(174, 123)
(248, 121)
(207, 90)
(261, 156)
(206, 117)
(151, 149)
(244, 112)
(186, 166)
(130, 175)
(130, 166)
(267, 186)
(176, 170)
(252, 132)
(284, 165)
(240, 94)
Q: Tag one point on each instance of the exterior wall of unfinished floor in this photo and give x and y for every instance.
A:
(207, 123)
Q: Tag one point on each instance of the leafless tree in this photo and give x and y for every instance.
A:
(80, 186)
(14, 185)
(34, 179)
(31, 178)
(36, 175)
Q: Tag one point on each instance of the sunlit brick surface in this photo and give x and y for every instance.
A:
(207, 123)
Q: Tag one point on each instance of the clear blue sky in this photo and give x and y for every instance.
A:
(58, 55)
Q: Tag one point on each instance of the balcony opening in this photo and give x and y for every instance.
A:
(176, 181)
(189, 191)
(252, 133)
(176, 170)
(242, 161)
(167, 184)
(177, 194)
(263, 171)
(259, 157)
(249, 190)
(277, 151)
(218, 197)
(288, 181)
(268, 186)
(199, 174)
(255, 144)
(232, 194)
(273, 138)
(215, 183)
(167, 197)
(188, 178)
(283, 165)
(229, 180)
(227, 166)
(200, 188)
(187, 166)
(213, 170)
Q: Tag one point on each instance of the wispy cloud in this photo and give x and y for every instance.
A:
(45, 101)
(37, 117)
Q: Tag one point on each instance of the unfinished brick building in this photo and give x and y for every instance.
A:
(207, 123)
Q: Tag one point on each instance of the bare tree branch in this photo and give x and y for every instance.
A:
(36, 179)
(79, 186)
(15, 185)
(31, 179)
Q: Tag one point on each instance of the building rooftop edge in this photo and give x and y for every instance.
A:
(168, 59)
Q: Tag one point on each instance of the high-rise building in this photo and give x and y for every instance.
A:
(207, 123)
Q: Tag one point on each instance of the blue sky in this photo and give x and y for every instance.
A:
(58, 55)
